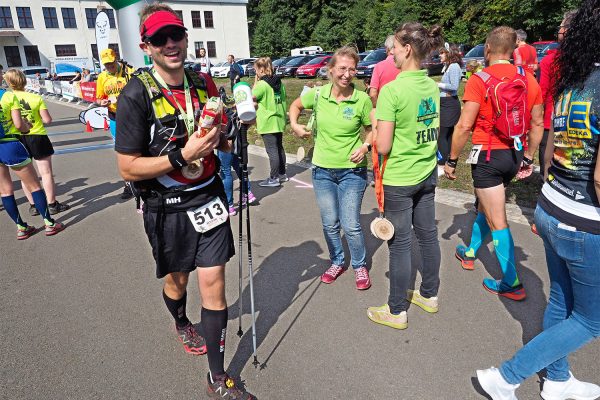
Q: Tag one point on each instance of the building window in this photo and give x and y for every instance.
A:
(90, 16)
(196, 19)
(50, 17)
(95, 51)
(13, 56)
(208, 19)
(68, 15)
(211, 49)
(6, 18)
(65, 50)
(179, 14)
(111, 17)
(32, 55)
(24, 17)
(197, 47)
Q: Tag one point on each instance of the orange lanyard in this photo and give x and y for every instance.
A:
(378, 175)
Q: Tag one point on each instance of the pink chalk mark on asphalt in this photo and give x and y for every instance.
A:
(301, 184)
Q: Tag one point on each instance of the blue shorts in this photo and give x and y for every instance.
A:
(112, 124)
(14, 154)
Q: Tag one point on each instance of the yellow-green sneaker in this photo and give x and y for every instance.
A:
(382, 315)
(428, 304)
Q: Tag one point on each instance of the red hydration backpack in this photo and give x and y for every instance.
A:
(511, 118)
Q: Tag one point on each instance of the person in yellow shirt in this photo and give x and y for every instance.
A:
(109, 85)
(36, 141)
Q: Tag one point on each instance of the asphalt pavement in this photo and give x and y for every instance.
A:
(83, 316)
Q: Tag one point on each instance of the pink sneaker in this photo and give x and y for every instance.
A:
(363, 282)
(250, 199)
(332, 273)
(232, 211)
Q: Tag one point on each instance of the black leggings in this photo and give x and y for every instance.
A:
(274, 147)
(445, 142)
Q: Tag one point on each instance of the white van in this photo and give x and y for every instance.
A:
(306, 51)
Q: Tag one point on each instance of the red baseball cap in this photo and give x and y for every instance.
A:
(157, 21)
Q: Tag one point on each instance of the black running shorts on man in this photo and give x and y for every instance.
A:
(38, 146)
(500, 169)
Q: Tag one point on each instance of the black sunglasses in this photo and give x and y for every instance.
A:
(160, 38)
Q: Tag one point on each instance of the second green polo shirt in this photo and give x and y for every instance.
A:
(339, 126)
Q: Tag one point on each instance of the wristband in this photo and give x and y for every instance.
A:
(527, 161)
(369, 146)
(452, 163)
(176, 159)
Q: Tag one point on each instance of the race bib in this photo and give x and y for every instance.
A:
(474, 154)
(208, 216)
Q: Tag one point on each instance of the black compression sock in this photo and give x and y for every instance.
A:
(177, 309)
(214, 325)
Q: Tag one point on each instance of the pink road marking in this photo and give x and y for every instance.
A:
(302, 184)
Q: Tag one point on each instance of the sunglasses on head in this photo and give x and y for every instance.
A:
(160, 38)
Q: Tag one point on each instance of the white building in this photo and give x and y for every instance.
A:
(33, 32)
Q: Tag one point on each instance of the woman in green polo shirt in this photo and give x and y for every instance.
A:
(340, 167)
(407, 129)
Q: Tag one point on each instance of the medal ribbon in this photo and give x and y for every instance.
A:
(378, 175)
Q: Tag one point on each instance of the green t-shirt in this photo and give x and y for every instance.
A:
(271, 112)
(412, 102)
(338, 126)
(8, 102)
(30, 105)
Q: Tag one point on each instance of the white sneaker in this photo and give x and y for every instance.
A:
(570, 389)
(494, 384)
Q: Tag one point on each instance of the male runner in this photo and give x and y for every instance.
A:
(494, 160)
(175, 171)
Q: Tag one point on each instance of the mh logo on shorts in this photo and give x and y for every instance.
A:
(174, 200)
(427, 111)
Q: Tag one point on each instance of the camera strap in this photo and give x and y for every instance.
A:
(188, 113)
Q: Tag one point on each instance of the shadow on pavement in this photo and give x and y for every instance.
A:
(529, 313)
(276, 288)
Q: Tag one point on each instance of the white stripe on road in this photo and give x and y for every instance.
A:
(84, 148)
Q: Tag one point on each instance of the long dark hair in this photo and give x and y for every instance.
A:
(579, 49)
(453, 56)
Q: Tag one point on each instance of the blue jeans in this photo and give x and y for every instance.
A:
(339, 195)
(409, 207)
(229, 160)
(572, 317)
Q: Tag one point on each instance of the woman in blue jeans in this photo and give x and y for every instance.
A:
(229, 160)
(407, 129)
(340, 166)
(568, 224)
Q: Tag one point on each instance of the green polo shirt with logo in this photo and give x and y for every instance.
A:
(338, 126)
(271, 112)
(412, 102)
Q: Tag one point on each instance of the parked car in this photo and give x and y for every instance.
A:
(363, 54)
(542, 48)
(244, 62)
(31, 71)
(364, 69)
(220, 70)
(311, 68)
(323, 73)
(433, 64)
(290, 67)
(476, 53)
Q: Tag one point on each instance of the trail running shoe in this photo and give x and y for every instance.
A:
(332, 273)
(382, 315)
(251, 199)
(33, 211)
(361, 275)
(224, 388)
(283, 178)
(269, 183)
(57, 207)
(193, 343)
(127, 193)
(53, 229)
(466, 262)
(24, 232)
(500, 288)
(232, 211)
(428, 304)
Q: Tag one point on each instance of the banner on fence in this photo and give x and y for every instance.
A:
(88, 91)
(33, 84)
(49, 87)
(68, 90)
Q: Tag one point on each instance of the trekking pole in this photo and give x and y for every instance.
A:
(244, 138)
(240, 333)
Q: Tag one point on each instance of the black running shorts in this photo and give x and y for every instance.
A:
(38, 146)
(180, 248)
(499, 170)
